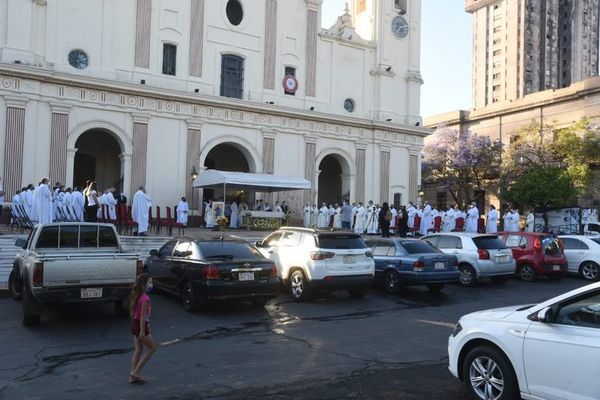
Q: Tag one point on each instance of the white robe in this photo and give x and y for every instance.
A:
(515, 218)
(140, 207)
(372, 224)
(243, 209)
(16, 200)
(323, 219)
(449, 220)
(111, 202)
(393, 221)
(491, 225)
(42, 199)
(508, 226)
(361, 216)
(66, 206)
(412, 213)
(426, 220)
(101, 202)
(337, 218)
(472, 220)
(78, 204)
(530, 223)
(182, 213)
(208, 216)
(314, 216)
(235, 214)
(307, 215)
(27, 201)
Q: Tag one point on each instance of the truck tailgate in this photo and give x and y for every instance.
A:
(90, 269)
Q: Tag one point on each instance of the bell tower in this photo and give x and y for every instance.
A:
(394, 27)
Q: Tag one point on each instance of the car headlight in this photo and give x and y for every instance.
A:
(457, 328)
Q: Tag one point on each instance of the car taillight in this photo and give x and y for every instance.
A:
(483, 254)
(537, 244)
(418, 266)
(211, 273)
(369, 254)
(38, 274)
(139, 266)
(273, 271)
(561, 245)
(321, 255)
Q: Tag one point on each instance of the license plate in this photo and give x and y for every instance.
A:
(556, 267)
(91, 293)
(440, 265)
(348, 259)
(246, 276)
(502, 259)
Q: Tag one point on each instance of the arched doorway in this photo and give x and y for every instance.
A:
(226, 157)
(334, 183)
(97, 158)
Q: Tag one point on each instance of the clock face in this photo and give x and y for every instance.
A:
(349, 105)
(290, 84)
(400, 27)
(78, 59)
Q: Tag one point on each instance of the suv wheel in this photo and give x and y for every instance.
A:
(13, 286)
(298, 286)
(391, 282)
(527, 273)
(488, 374)
(589, 271)
(466, 276)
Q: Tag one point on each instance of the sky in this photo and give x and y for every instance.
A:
(446, 48)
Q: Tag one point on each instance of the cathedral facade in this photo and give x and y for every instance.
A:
(143, 92)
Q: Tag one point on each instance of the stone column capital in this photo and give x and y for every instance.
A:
(60, 108)
(313, 4)
(140, 118)
(15, 101)
(194, 124)
(125, 156)
(269, 133)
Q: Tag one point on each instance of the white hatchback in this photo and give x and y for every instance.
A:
(583, 255)
(312, 259)
(547, 351)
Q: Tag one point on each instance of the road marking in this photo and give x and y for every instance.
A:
(437, 323)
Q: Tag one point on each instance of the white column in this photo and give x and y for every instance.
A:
(71, 168)
(126, 166)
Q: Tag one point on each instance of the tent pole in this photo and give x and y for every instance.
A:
(224, 193)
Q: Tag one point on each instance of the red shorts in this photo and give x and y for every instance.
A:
(135, 328)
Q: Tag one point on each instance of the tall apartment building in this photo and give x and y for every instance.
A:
(525, 46)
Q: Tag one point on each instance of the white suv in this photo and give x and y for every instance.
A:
(312, 259)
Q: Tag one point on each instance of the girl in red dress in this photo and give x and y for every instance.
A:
(140, 309)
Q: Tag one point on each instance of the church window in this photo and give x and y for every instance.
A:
(232, 76)
(349, 105)
(234, 11)
(169, 59)
(78, 59)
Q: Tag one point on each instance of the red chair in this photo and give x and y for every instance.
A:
(151, 220)
(437, 225)
(481, 225)
(168, 221)
(460, 225)
(105, 217)
(121, 217)
(131, 224)
(416, 225)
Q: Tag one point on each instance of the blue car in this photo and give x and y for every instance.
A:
(408, 262)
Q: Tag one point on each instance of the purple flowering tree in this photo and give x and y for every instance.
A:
(461, 163)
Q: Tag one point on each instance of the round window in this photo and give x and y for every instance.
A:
(235, 13)
(349, 105)
(78, 59)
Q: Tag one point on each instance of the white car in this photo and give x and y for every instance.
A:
(547, 351)
(312, 259)
(583, 255)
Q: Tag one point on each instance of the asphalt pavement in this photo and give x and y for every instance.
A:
(379, 347)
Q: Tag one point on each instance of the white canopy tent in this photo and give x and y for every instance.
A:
(215, 179)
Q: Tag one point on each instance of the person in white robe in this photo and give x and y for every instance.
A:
(209, 219)
(372, 219)
(307, 214)
(472, 218)
(78, 203)
(323, 219)
(507, 217)
(354, 212)
(426, 219)
(111, 203)
(491, 224)
(330, 214)
(183, 211)
(67, 202)
(314, 215)
(337, 217)
(101, 204)
(412, 213)
(530, 222)
(42, 200)
(235, 215)
(16, 202)
(515, 219)
(393, 221)
(449, 220)
(242, 210)
(27, 199)
(361, 216)
(140, 207)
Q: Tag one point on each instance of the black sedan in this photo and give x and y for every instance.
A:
(199, 271)
(409, 262)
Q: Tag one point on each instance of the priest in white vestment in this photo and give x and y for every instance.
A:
(412, 213)
(530, 222)
(323, 218)
(337, 217)
(235, 214)
(140, 207)
(111, 202)
(182, 212)
(27, 199)
(361, 217)
(515, 219)
(209, 219)
(42, 199)
(507, 217)
(393, 221)
(426, 219)
(307, 214)
(491, 225)
(78, 203)
(472, 218)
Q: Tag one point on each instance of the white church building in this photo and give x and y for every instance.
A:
(142, 92)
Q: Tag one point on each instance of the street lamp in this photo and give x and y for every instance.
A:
(194, 175)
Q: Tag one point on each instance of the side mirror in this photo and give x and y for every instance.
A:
(259, 243)
(545, 315)
(523, 246)
(154, 252)
(22, 243)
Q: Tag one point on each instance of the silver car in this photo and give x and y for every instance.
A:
(479, 255)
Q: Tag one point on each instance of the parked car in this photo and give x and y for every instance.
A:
(545, 351)
(479, 255)
(313, 259)
(407, 262)
(536, 254)
(71, 263)
(200, 271)
(583, 255)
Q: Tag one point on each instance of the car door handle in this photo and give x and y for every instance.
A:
(455, 252)
(517, 333)
(271, 251)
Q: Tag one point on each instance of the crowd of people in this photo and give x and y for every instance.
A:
(387, 220)
(236, 211)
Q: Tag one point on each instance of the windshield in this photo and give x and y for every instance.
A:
(418, 247)
(340, 241)
(489, 243)
(227, 250)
